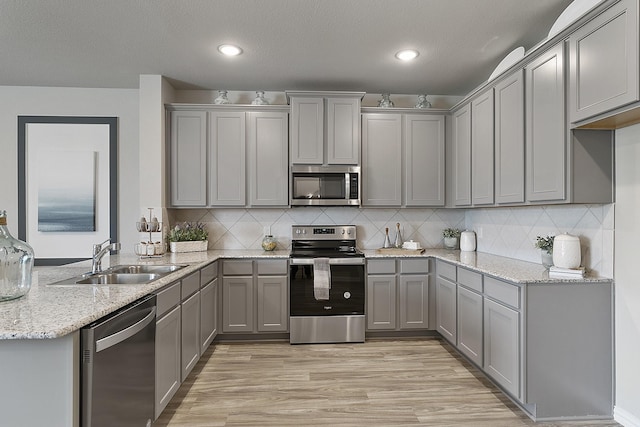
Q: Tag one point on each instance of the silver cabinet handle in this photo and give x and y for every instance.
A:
(118, 337)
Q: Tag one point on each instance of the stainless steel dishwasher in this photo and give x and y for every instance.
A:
(118, 367)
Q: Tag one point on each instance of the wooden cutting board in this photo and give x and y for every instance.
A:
(399, 251)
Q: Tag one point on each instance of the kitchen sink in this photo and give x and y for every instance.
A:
(121, 275)
(118, 278)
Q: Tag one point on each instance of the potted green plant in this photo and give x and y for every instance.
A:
(451, 236)
(188, 237)
(545, 244)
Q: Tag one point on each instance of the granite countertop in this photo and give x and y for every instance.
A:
(54, 311)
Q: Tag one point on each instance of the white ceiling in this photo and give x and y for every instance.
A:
(288, 44)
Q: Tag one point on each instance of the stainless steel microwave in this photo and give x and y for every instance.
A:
(325, 185)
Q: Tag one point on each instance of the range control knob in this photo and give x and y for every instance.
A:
(347, 295)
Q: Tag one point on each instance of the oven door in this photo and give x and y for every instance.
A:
(346, 296)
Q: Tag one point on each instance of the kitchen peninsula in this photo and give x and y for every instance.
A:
(39, 334)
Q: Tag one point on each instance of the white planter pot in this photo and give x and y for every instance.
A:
(196, 246)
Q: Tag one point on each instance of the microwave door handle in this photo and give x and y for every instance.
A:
(347, 187)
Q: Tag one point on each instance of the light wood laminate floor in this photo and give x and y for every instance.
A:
(378, 383)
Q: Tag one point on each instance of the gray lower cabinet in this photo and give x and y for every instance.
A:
(502, 345)
(604, 62)
(482, 149)
(255, 296)
(398, 294)
(208, 314)
(446, 303)
(168, 346)
(190, 324)
(470, 320)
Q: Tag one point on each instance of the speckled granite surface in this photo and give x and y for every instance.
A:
(54, 311)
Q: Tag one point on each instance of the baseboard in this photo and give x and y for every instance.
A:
(626, 418)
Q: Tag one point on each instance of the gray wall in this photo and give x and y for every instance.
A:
(48, 101)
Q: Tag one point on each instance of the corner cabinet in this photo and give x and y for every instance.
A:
(325, 127)
(460, 177)
(236, 154)
(403, 158)
(482, 149)
(604, 62)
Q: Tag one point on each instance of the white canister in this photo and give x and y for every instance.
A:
(566, 251)
(468, 241)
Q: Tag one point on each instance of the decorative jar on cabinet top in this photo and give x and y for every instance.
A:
(16, 263)
(566, 251)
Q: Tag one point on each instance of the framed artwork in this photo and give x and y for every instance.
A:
(67, 185)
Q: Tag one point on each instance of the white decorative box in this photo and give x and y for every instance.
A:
(195, 246)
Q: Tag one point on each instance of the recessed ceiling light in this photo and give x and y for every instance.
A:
(407, 54)
(229, 50)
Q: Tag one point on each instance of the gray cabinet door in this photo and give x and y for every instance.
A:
(168, 350)
(482, 149)
(227, 148)
(381, 302)
(502, 345)
(343, 131)
(414, 301)
(381, 159)
(307, 130)
(267, 142)
(273, 304)
(446, 322)
(470, 324)
(461, 141)
(188, 146)
(509, 139)
(237, 304)
(190, 334)
(424, 139)
(604, 62)
(208, 314)
(545, 127)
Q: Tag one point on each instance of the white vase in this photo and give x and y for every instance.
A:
(468, 241)
(451, 242)
(566, 251)
(194, 246)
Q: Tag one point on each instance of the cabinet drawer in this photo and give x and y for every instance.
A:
(420, 265)
(208, 273)
(190, 284)
(470, 279)
(272, 267)
(167, 298)
(237, 268)
(447, 270)
(502, 291)
(381, 266)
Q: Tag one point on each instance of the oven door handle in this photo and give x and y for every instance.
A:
(332, 261)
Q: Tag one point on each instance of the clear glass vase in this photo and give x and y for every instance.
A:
(423, 102)
(16, 263)
(269, 243)
(222, 98)
(385, 102)
(260, 99)
(547, 258)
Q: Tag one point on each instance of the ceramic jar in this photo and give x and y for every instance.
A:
(468, 241)
(566, 251)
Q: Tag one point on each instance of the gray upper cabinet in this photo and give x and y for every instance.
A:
(188, 152)
(461, 155)
(381, 159)
(424, 149)
(545, 127)
(482, 149)
(509, 139)
(267, 137)
(325, 127)
(604, 62)
(227, 148)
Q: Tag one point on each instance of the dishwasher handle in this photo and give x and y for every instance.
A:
(118, 337)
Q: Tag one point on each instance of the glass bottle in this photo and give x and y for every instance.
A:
(398, 242)
(222, 98)
(16, 263)
(260, 99)
(385, 102)
(269, 243)
(387, 242)
(423, 102)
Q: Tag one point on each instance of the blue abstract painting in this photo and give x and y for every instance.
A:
(67, 191)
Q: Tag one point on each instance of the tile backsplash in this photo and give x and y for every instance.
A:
(509, 232)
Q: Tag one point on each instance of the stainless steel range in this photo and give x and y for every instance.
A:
(326, 285)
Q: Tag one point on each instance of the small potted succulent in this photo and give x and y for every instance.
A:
(451, 236)
(188, 237)
(545, 244)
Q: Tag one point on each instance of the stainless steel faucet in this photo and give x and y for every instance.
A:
(99, 251)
